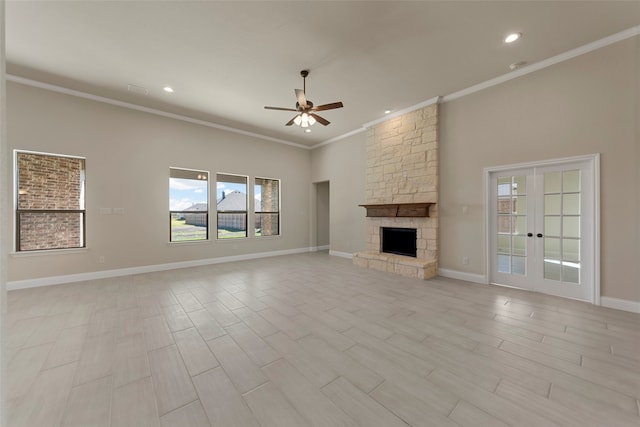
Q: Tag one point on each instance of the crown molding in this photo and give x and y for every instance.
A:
(131, 106)
(598, 44)
(590, 47)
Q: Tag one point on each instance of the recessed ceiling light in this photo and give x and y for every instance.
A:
(512, 37)
(168, 89)
(387, 111)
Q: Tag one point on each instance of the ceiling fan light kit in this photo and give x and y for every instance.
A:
(306, 110)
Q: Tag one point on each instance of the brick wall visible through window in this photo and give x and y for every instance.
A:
(50, 202)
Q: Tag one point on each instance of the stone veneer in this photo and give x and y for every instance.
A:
(402, 167)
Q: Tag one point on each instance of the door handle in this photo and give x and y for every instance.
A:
(539, 235)
(529, 234)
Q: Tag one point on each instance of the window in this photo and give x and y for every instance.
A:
(188, 205)
(231, 206)
(267, 207)
(50, 209)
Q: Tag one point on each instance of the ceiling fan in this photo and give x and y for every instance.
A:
(306, 110)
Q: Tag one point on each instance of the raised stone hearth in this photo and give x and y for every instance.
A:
(403, 265)
(402, 177)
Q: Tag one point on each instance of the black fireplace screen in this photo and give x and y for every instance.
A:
(399, 241)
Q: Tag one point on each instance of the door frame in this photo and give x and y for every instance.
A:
(594, 163)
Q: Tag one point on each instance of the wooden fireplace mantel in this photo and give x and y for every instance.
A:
(398, 210)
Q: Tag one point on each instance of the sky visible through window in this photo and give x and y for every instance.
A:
(184, 193)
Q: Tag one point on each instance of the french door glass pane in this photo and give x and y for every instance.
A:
(518, 265)
(512, 224)
(571, 204)
(552, 182)
(562, 226)
(571, 181)
(552, 226)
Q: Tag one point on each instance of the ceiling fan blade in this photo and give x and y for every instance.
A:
(319, 119)
(331, 106)
(279, 108)
(302, 98)
(290, 122)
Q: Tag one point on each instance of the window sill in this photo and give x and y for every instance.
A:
(189, 243)
(47, 252)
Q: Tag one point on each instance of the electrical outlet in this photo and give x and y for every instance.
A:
(465, 260)
(101, 259)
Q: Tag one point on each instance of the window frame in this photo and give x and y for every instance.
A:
(207, 212)
(279, 211)
(17, 211)
(246, 212)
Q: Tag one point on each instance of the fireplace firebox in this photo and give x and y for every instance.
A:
(399, 241)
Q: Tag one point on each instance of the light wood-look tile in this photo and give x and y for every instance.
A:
(313, 368)
(256, 322)
(97, 358)
(284, 323)
(171, 381)
(128, 322)
(467, 415)
(311, 339)
(272, 409)
(177, 319)
(89, 404)
(24, 368)
(189, 415)
(441, 399)
(410, 408)
(221, 401)
(48, 331)
(44, 405)
(206, 325)
(156, 333)
(222, 314)
(194, 350)
(254, 346)
(244, 374)
(132, 363)
(306, 399)
(359, 405)
(493, 404)
(134, 404)
(339, 362)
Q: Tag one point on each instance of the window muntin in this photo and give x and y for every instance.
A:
(188, 205)
(49, 200)
(231, 205)
(267, 207)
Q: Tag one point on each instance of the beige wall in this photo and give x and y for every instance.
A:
(585, 105)
(343, 165)
(128, 158)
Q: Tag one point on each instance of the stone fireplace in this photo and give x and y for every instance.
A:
(402, 192)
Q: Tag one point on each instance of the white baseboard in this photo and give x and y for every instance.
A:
(341, 254)
(104, 274)
(322, 248)
(620, 304)
(461, 275)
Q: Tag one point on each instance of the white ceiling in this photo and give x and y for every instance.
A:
(227, 60)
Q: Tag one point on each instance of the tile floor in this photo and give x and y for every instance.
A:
(311, 340)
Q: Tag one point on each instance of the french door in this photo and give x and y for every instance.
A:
(542, 228)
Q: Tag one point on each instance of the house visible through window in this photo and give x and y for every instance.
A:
(267, 207)
(231, 206)
(50, 208)
(188, 205)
